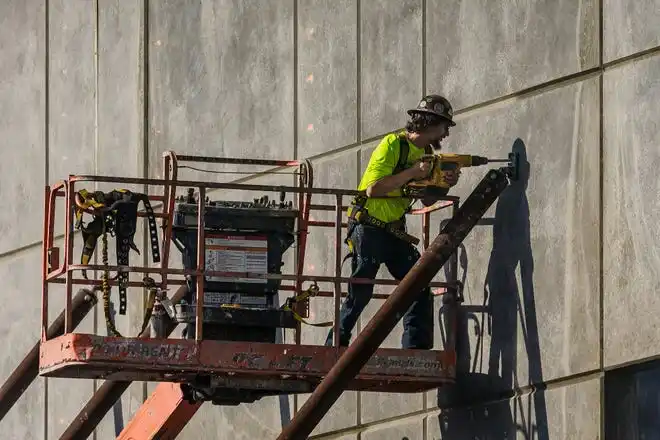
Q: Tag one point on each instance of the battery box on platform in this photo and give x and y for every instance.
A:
(241, 238)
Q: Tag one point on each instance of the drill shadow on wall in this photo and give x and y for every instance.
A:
(480, 405)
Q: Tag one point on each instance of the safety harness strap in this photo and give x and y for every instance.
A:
(360, 215)
(125, 227)
(115, 213)
(313, 290)
(404, 149)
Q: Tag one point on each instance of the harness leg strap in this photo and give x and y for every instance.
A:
(153, 231)
(126, 227)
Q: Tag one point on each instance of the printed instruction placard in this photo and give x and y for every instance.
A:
(237, 255)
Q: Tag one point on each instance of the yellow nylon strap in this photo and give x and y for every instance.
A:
(88, 201)
(311, 291)
(301, 319)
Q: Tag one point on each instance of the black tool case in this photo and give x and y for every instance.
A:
(240, 238)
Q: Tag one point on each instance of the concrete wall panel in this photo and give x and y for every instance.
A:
(72, 150)
(629, 26)
(571, 411)
(121, 413)
(380, 405)
(221, 79)
(120, 134)
(631, 161)
(121, 128)
(377, 405)
(479, 50)
(261, 419)
(535, 261)
(22, 93)
(20, 324)
(345, 411)
(120, 82)
(128, 325)
(391, 54)
(404, 429)
(66, 396)
(327, 81)
(337, 172)
(72, 89)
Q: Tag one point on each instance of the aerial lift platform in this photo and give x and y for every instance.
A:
(228, 354)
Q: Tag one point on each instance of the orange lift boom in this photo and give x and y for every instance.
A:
(206, 367)
(162, 416)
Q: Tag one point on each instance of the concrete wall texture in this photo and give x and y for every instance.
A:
(566, 259)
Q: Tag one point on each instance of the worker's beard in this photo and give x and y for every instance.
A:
(436, 145)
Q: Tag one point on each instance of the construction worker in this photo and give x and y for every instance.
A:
(376, 226)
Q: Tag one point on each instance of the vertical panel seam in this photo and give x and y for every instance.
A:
(296, 260)
(358, 71)
(600, 184)
(358, 403)
(145, 137)
(96, 89)
(296, 153)
(425, 403)
(424, 44)
(96, 156)
(358, 138)
(47, 157)
(46, 91)
(145, 91)
(601, 226)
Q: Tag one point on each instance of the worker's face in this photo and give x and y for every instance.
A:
(440, 131)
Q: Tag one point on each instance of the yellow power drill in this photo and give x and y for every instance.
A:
(435, 181)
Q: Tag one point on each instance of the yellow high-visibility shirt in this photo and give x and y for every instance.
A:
(381, 164)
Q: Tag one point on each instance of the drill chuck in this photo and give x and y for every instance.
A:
(479, 160)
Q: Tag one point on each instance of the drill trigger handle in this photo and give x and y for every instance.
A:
(431, 158)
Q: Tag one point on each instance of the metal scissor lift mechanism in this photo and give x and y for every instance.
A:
(228, 354)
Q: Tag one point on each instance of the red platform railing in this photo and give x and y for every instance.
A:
(62, 272)
(78, 349)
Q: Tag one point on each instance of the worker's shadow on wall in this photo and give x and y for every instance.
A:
(467, 415)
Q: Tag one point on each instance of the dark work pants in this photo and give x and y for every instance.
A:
(372, 247)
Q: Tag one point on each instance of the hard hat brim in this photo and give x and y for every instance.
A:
(412, 111)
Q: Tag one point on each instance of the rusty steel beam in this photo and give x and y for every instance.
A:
(108, 394)
(96, 408)
(21, 378)
(368, 341)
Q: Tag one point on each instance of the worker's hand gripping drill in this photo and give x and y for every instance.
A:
(427, 170)
(433, 175)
